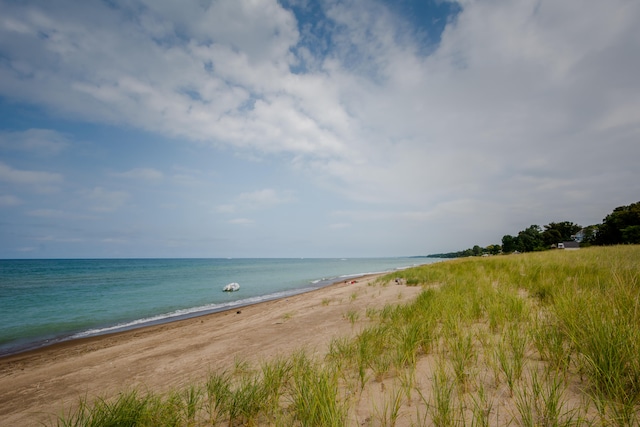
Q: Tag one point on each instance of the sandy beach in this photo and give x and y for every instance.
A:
(38, 385)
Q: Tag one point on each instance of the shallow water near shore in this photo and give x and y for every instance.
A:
(47, 301)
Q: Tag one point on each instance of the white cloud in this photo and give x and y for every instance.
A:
(188, 178)
(40, 181)
(8, 200)
(257, 200)
(58, 214)
(504, 98)
(37, 141)
(59, 239)
(47, 213)
(241, 221)
(103, 200)
(143, 174)
(525, 109)
(264, 198)
(115, 240)
(220, 82)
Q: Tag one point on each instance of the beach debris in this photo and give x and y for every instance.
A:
(231, 287)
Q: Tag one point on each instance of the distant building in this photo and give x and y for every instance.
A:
(569, 245)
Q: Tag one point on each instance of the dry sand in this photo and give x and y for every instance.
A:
(36, 386)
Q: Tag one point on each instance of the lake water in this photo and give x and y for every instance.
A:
(47, 301)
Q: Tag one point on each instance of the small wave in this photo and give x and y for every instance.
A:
(185, 313)
(213, 308)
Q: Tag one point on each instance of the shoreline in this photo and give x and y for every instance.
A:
(146, 323)
(71, 340)
(37, 384)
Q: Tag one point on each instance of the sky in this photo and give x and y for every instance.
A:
(301, 128)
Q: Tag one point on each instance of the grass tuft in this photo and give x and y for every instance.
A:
(558, 330)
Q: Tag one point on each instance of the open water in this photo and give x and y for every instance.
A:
(47, 301)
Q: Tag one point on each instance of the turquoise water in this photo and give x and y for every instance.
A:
(46, 301)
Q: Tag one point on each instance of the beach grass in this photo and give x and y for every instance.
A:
(537, 339)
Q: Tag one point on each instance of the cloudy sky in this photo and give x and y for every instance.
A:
(301, 128)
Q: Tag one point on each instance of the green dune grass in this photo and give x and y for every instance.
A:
(537, 339)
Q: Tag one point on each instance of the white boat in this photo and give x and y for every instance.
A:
(231, 287)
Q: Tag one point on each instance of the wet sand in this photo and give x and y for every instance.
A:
(38, 385)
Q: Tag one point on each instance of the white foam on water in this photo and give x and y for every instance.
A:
(186, 313)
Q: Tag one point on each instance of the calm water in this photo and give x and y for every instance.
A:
(45, 301)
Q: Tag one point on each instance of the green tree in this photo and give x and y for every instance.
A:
(631, 234)
(589, 235)
(620, 226)
(493, 249)
(556, 232)
(530, 239)
(552, 237)
(509, 244)
(467, 252)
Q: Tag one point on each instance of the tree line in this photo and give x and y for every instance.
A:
(622, 226)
